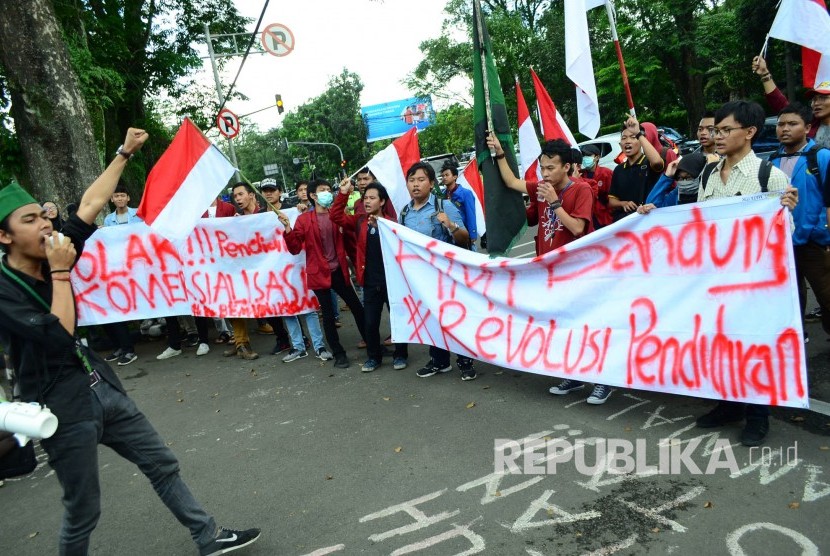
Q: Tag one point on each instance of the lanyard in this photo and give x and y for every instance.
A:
(28, 289)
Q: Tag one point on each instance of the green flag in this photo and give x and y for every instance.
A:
(504, 208)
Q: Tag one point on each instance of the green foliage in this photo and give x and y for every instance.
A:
(452, 132)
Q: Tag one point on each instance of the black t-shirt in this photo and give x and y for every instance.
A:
(632, 182)
(39, 345)
(373, 274)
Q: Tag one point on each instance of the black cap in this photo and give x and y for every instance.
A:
(268, 183)
(591, 149)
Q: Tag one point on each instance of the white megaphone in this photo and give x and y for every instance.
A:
(27, 420)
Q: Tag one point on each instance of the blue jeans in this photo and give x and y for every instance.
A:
(117, 423)
(295, 331)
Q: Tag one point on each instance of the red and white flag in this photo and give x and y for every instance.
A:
(470, 178)
(183, 183)
(553, 125)
(389, 166)
(804, 22)
(578, 64)
(529, 149)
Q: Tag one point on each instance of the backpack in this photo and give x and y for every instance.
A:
(439, 207)
(812, 160)
(763, 174)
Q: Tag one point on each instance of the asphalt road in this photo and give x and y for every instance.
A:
(330, 461)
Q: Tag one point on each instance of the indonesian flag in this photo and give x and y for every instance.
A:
(389, 166)
(553, 125)
(470, 179)
(183, 183)
(578, 64)
(529, 149)
(804, 22)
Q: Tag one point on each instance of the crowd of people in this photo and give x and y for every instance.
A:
(336, 227)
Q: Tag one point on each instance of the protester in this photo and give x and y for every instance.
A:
(741, 172)
(646, 159)
(463, 199)
(246, 203)
(678, 185)
(38, 329)
(302, 196)
(326, 265)
(53, 214)
(119, 332)
(430, 216)
(808, 168)
(704, 136)
(819, 101)
(602, 176)
(369, 266)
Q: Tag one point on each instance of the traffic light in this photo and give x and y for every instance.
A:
(342, 163)
(280, 107)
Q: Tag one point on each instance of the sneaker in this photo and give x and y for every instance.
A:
(566, 387)
(192, 340)
(264, 329)
(114, 356)
(126, 359)
(813, 316)
(228, 541)
(755, 431)
(293, 355)
(203, 349)
(431, 369)
(245, 352)
(342, 362)
(168, 353)
(599, 395)
(468, 373)
(399, 363)
(324, 355)
(369, 366)
(230, 352)
(723, 414)
(280, 347)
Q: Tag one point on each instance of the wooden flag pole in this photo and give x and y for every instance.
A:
(612, 20)
(483, 55)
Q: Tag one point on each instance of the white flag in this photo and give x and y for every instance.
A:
(578, 64)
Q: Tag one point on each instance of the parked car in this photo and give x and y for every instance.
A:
(609, 147)
(684, 144)
(767, 142)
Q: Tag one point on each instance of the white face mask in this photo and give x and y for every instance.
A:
(325, 199)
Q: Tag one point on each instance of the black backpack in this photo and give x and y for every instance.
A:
(763, 174)
(812, 160)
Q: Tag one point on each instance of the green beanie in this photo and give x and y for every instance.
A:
(12, 197)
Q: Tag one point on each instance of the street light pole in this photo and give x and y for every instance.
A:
(314, 143)
(221, 97)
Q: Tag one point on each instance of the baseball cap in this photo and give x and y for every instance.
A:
(268, 183)
(822, 88)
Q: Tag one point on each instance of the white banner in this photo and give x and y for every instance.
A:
(698, 300)
(227, 267)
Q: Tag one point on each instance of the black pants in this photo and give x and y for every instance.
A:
(279, 329)
(812, 263)
(374, 297)
(441, 357)
(347, 293)
(119, 335)
(174, 331)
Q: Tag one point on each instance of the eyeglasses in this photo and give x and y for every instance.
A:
(724, 131)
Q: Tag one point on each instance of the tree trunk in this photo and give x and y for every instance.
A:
(49, 112)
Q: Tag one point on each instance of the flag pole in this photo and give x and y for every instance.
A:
(612, 20)
(483, 55)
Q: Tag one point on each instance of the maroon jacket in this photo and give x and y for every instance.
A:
(223, 209)
(306, 233)
(357, 224)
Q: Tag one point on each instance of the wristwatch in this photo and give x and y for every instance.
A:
(123, 153)
(639, 134)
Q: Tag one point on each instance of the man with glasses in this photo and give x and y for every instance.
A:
(819, 102)
(737, 124)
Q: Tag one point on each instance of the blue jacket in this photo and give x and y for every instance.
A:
(663, 194)
(109, 220)
(465, 202)
(809, 216)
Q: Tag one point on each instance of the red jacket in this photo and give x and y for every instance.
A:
(223, 210)
(602, 212)
(306, 233)
(358, 225)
